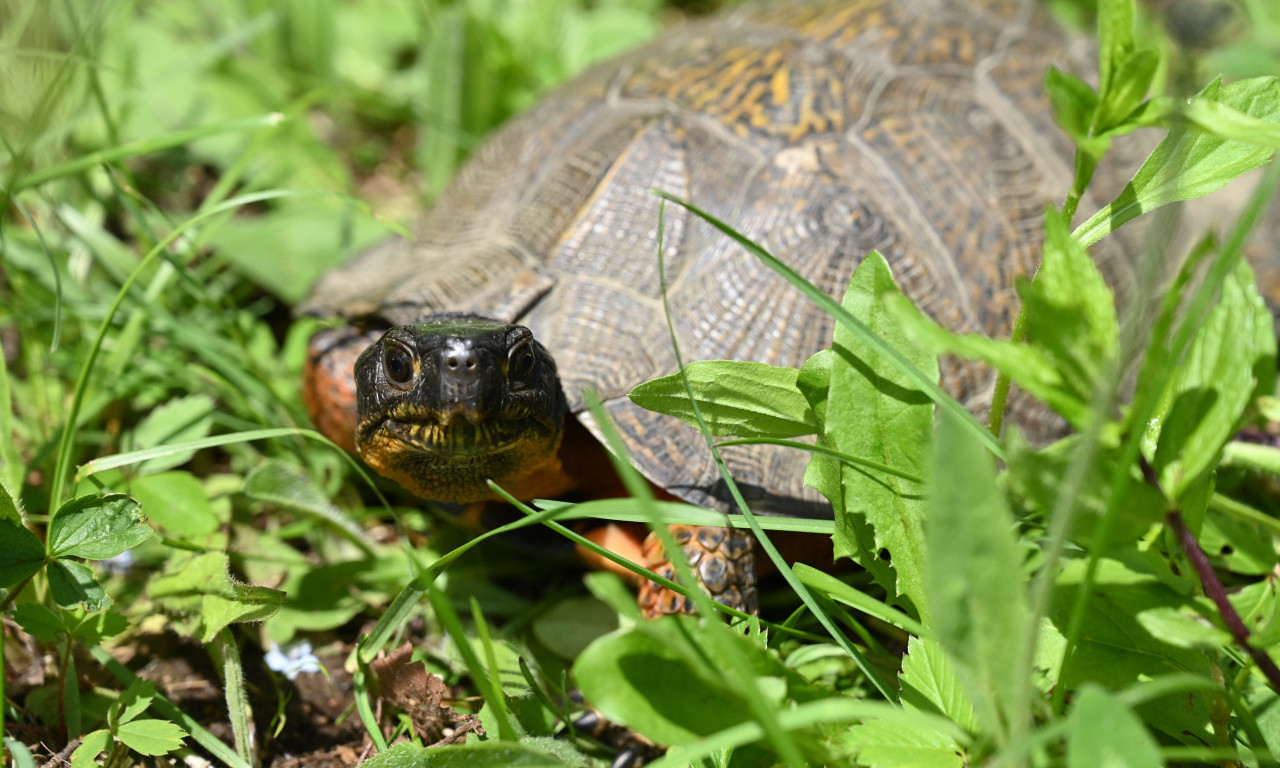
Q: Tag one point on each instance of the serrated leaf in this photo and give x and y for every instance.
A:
(38, 621)
(1190, 163)
(277, 482)
(8, 507)
(929, 684)
(177, 421)
(97, 527)
(133, 702)
(974, 576)
(72, 583)
(176, 501)
(91, 745)
(873, 411)
(201, 589)
(151, 737)
(21, 552)
(881, 744)
(736, 398)
(1231, 355)
(1104, 733)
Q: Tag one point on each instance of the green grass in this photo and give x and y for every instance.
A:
(176, 175)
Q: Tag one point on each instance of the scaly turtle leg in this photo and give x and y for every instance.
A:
(723, 559)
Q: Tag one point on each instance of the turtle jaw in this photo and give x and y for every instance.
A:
(448, 404)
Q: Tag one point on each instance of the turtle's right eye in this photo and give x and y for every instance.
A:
(397, 362)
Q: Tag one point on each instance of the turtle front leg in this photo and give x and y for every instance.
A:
(723, 559)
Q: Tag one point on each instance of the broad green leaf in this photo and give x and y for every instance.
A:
(1184, 626)
(1114, 645)
(97, 527)
(1232, 354)
(1190, 163)
(1104, 733)
(882, 744)
(571, 625)
(485, 754)
(177, 421)
(91, 745)
(201, 589)
(21, 552)
(1039, 478)
(736, 398)
(1259, 605)
(656, 679)
(929, 684)
(278, 482)
(177, 502)
(1071, 312)
(151, 737)
(874, 411)
(39, 622)
(974, 577)
(72, 583)
(1238, 546)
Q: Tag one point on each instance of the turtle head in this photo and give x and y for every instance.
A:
(445, 404)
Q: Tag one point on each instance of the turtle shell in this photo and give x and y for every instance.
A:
(821, 130)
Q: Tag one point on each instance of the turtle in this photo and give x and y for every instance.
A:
(821, 129)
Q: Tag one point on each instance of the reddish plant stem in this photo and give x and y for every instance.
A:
(1211, 584)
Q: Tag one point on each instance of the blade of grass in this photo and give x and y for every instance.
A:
(144, 147)
(491, 692)
(855, 461)
(626, 510)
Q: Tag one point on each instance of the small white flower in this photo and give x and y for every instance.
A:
(293, 659)
(121, 564)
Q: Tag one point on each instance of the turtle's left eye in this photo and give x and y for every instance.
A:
(521, 361)
(397, 362)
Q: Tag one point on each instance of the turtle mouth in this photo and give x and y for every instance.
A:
(448, 436)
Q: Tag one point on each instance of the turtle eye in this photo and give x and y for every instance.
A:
(397, 362)
(521, 361)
